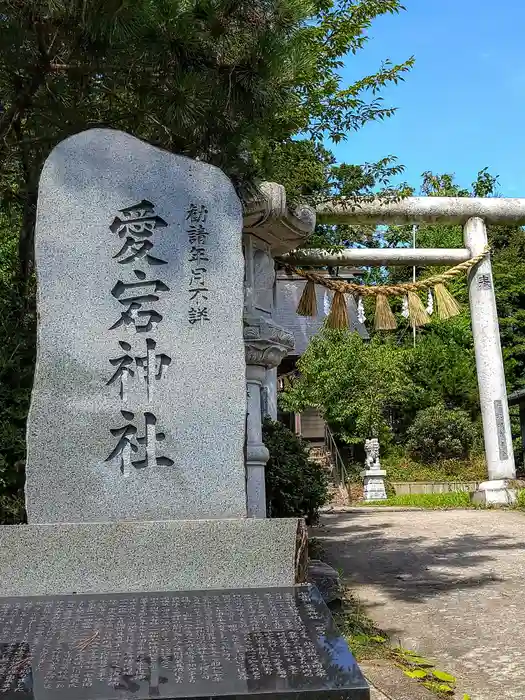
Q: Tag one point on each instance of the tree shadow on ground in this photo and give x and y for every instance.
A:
(412, 569)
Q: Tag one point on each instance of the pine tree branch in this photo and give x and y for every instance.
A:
(26, 94)
(21, 103)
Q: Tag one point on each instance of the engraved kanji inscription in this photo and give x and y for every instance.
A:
(188, 644)
(136, 225)
(130, 442)
(198, 254)
(198, 277)
(484, 281)
(138, 295)
(124, 371)
(197, 214)
(15, 669)
(152, 365)
(198, 287)
(198, 293)
(197, 235)
(147, 368)
(132, 251)
(500, 428)
(198, 314)
(138, 220)
(134, 295)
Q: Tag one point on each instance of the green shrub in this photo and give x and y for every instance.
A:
(438, 433)
(17, 357)
(295, 486)
(454, 499)
(399, 467)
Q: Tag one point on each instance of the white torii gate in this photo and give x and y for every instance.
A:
(473, 213)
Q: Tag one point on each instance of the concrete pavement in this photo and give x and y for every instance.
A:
(449, 584)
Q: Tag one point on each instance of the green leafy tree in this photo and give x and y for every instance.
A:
(309, 173)
(231, 82)
(17, 351)
(356, 385)
(443, 369)
(508, 263)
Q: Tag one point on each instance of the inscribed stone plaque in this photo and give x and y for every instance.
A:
(138, 404)
(274, 642)
(500, 427)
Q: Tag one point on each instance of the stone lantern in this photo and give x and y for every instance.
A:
(271, 228)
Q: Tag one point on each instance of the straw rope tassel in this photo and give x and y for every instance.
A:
(338, 316)
(447, 306)
(412, 304)
(417, 312)
(384, 319)
(308, 302)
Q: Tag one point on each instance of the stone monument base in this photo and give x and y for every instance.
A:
(136, 556)
(495, 492)
(374, 485)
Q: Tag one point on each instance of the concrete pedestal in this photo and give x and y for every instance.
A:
(374, 483)
(495, 492)
(133, 556)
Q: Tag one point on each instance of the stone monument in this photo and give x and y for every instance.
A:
(139, 572)
(137, 421)
(140, 341)
(374, 476)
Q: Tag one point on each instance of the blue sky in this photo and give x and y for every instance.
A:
(462, 107)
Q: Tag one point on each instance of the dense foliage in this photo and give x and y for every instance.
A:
(17, 353)
(227, 81)
(234, 83)
(438, 433)
(295, 486)
(356, 384)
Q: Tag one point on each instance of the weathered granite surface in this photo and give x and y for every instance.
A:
(138, 408)
(60, 559)
(326, 579)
